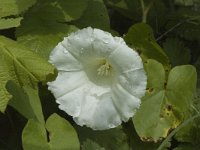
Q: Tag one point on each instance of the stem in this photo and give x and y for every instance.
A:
(177, 25)
(145, 11)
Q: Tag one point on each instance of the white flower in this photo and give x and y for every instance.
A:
(100, 79)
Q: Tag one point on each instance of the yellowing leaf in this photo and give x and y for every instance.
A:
(166, 101)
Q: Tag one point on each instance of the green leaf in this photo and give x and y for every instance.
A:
(134, 140)
(14, 7)
(48, 22)
(140, 37)
(176, 51)
(61, 135)
(190, 133)
(9, 23)
(168, 105)
(71, 9)
(103, 139)
(59, 10)
(26, 101)
(20, 65)
(45, 25)
(95, 15)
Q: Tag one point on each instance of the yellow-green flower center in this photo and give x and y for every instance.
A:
(104, 70)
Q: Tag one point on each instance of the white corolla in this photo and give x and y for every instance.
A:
(100, 79)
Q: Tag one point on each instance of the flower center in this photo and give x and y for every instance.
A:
(99, 71)
(104, 70)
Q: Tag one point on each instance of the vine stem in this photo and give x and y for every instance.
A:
(177, 25)
(145, 11)
(176, 130)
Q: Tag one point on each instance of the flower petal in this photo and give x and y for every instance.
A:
(78, 42)
(93, 97)
(124, 59)
(71, 102)
(125, 103)
(106, 115)
(66, 82)
(104, 43)
(63, 60)
(98, 113)
(134, 81)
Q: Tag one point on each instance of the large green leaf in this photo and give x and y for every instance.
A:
(26, 101)
(48, 22)
(10, 11)
(140, 37)
(19, 64)
(61, 135)
(166, 101)
(45, 24)
(14, 7)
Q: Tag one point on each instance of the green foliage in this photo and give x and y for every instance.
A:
(187, 2)
(61, 135)
(26, 101)
(163, 98)
(42, 33)
(140, 37)
(14, 7)
(8, 23)
(20, 65)
(186, 147)
(185, 23)
(129, 8)
(102, 139)
(177, 52)
(10, 11)
(95, 15)
(164, 33)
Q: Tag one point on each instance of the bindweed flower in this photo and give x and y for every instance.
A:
(100, 79)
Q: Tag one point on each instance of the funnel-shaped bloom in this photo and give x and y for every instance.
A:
(100, 79)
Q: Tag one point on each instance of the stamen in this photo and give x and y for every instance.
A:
(104, 70)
